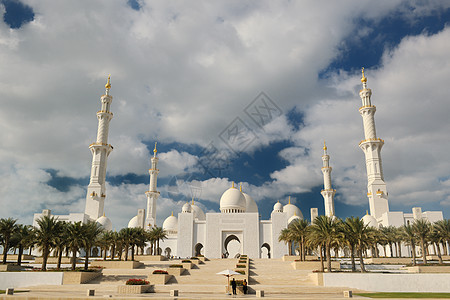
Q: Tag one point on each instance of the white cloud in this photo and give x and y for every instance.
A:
(182, 71)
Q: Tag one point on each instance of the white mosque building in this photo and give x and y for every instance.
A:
(237, 228)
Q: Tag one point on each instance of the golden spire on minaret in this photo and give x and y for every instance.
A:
(108, 84)
(289, 199)
(192, 200)
(154, 150)
(363, 78)
(240, 187)
(324, 145)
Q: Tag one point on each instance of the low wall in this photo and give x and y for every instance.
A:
(150, 257)
(376, 282)
(24, 279)
(6, 268)
(79, 277)
(429, 257)
(314, 265)
(428, 269)
(54, 260)
(388, 260)
(116, 264)
(295, 257)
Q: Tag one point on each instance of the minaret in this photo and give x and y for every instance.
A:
(96, 191)
(327, 192)
(152, 194)
(371, 145)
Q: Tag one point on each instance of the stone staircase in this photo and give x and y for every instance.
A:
(274, 276)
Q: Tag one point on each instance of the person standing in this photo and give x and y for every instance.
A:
(233, 286)
(244, 286)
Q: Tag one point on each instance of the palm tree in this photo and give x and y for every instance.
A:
(126, 234)
(158, 234)
(75, 233)
(45, 235)
(389, 237)
(61, 241)
(349, 236)
(24, 238)
(436, 238)
(410, 237)
(443, 228)
(138, 239)
(286, 237)
(7, 229)
(106, 242)
(422, 230)
(92, 231)
(325, 230)
(299, 230)
(363, 235)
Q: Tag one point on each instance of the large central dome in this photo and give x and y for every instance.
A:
(232, 201)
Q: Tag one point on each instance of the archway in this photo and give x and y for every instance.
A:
(232, 246)
(198, 249)
(167, 252)
(265, 250)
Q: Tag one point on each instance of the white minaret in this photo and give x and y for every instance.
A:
(152, 194)
(327, 192)
(371, 145)
(96, 191)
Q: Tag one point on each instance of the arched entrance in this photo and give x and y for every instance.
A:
(198, 249)
(265, 250)
(167, 252)
(232, 246)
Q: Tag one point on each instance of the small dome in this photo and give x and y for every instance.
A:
(370, 221)
(250, 204)
(198, 212)
(293, 218)
(186, 208)
(171, 224)
(232, 201)
(133, 222)
(278, 207)
(291, 210)
(105, 222)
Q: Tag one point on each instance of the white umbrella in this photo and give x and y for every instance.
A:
(228, 273)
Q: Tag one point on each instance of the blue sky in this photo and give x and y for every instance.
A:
(186, 75)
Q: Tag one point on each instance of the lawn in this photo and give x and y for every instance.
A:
(405, 295)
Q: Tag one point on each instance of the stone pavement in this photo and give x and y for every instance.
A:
(275, 277)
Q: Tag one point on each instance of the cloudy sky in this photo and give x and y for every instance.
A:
(191, 74)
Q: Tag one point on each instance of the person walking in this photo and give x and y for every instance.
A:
(233, 286)
(244, 286)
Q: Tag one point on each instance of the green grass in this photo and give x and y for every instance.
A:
(405, 295)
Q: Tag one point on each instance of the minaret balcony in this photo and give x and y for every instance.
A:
(368, 106)
(105, 112)
(328, 190)
(375, 141)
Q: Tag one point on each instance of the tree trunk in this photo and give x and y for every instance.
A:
(399, 247)
(74, 258)
(384, 250)
(126, 252)
(439, 253)
(132, 252)
(104, 253)
(352, 257)
(413, 250)
(5, 250)
(86, 259)
(361, 261)
(113, 252)
(390, 249)
(424, 251)
(322, 267)
(44, 259)
(58, 266)
(19, 258)
(328, 253)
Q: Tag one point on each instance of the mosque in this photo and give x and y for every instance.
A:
(237, 228)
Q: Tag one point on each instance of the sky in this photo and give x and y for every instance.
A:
(243, 91)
